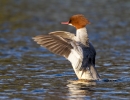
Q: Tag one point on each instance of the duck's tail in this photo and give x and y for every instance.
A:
(94, 72)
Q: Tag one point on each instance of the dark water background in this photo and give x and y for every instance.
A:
(30, 72)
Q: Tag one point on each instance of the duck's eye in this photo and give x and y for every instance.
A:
(69, 21)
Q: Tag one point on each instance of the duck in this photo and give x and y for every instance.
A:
(76, 48)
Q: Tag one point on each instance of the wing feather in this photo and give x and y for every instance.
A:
(55, 44)
(64, 34)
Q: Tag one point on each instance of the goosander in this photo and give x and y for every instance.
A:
(75, 48)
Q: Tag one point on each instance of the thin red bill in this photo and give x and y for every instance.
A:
(64, 22)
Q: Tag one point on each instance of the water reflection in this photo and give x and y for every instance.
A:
(80, 89)
(86, 90)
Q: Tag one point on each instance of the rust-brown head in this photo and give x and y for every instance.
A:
(78, 21)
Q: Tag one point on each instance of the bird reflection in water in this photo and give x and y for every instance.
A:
(80, 88)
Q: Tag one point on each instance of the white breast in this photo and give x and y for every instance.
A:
(76, 61)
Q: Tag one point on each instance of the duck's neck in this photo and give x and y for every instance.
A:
(82, 35)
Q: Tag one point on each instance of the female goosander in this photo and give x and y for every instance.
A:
(76, 48)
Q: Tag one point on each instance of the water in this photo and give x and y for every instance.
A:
(30, 72)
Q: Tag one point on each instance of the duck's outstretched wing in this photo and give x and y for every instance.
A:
(55, 44)
(62, 43)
